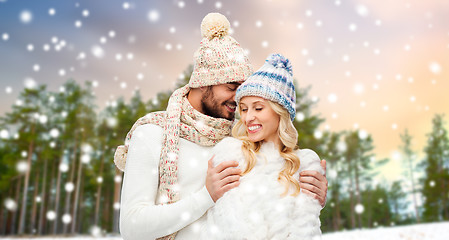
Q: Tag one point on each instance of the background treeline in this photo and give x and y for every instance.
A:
(57, 174)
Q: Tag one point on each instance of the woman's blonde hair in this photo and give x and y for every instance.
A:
(289, 139)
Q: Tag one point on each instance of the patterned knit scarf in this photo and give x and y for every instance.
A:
(180, 120)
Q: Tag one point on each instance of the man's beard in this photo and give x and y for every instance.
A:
(213, 108)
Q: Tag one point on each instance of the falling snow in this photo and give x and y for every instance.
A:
(26, 16)
(153, 15)
(351, 71)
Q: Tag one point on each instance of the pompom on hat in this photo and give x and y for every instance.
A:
(274, 82)
(220, 58)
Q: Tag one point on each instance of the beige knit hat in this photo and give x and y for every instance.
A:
(220, 59)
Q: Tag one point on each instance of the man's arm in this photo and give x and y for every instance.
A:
(222, 178)
(315, 184)
(140, 216)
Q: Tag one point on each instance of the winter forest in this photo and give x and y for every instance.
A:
(371, 84)
(58, 175)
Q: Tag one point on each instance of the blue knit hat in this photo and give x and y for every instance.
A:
(274, 82)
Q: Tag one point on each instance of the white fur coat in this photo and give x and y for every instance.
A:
(255, 209)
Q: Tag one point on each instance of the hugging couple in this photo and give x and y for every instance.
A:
(193, 172)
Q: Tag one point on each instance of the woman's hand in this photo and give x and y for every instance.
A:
(315, 184)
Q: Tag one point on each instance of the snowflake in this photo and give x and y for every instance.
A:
(10, 204)
(396, 155)
(5, 36)
(63, 167)
(66, 218)
(85, 13)
(168, 47)
(359, 88)
(332, 98)
(78, 24)
(153, 16)
(95, 231)
(30, 83)
(341, 146)
(359, 208)
(26, 16)
(362, 134)
(112, 34)
(118, 179)
(352, 27)
(333, 174)
(116, 205)
(51, 215)
(54, 133)
(99, 180)
(97, 51)
(46, 47)
(140, 76)
(4, 134)
(126, 5)
(435, 68)
(69, 187)
(85, 158)
(362, 10)
(309, 13)
(318, 134)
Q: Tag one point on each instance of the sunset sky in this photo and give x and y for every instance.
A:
(380, 66)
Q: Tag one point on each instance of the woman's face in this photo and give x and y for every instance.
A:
(261, 121)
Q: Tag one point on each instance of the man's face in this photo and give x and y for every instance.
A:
(218, 101)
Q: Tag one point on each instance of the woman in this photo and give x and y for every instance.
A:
(268, 203)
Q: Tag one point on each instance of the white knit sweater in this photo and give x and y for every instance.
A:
(140, 215)
(255, 209)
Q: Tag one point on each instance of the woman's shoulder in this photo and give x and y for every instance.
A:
(309, 160)
(307, 153)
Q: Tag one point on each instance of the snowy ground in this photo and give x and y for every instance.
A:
(430, 231)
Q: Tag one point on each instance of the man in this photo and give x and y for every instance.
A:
(169, 181)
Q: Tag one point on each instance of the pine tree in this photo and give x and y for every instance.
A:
(330, 216)
(360, 168)
(409, 157)
(436, 181)
(28, 118)
(307, 123)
